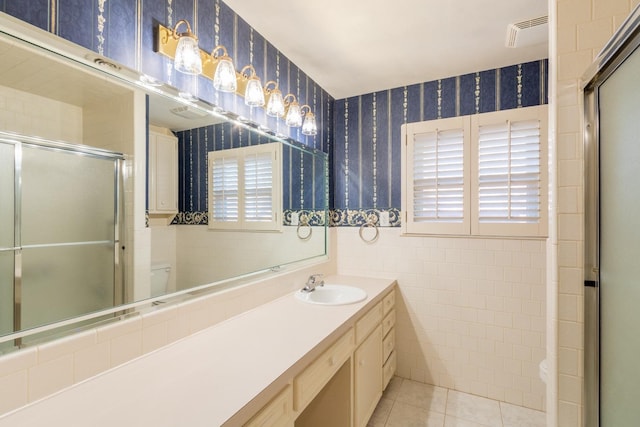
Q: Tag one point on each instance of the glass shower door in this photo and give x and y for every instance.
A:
(68, 234)
(7, 244)
(619, 279)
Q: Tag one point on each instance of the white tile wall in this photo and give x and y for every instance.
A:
(197, 249)
(471, 312)
(32, 115)
(163, 249)
(583, 27)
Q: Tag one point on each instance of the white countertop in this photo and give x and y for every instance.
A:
(218, 376)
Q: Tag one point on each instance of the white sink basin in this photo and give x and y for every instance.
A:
(333, 295)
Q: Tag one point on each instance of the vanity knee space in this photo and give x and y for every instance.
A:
(365, 358)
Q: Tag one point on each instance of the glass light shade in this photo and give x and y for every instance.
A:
(224, 78)
(294, 115)
(275, 105)
(309, 124)
(254, 95)
(187, 59)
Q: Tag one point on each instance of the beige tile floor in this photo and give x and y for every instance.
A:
(407, 403)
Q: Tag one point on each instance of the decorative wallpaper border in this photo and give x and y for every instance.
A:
(312, 217)
(358, 217)
(337, 217)
(191, 218)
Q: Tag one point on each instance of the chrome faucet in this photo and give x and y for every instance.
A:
(313, 281)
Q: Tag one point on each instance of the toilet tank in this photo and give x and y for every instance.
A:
(160, 278)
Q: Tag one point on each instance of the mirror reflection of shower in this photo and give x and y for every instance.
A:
(60, 255)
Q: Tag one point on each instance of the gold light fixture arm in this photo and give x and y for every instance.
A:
(217, 48)
(287, 103)
(302, 109)
(187, 33)
(250, 68)
(266, 86)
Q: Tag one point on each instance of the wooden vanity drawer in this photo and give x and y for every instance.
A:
(388, 344)
(389, 301)
(317, 374)
(368, 322)
(277, 413)
(388, 369)
(388, 322)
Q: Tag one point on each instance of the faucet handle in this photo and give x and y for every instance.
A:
(315, 277)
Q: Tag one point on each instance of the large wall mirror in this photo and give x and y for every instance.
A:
(85, 235)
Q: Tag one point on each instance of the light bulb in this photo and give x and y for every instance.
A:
(309, 124)
(187, 58)
(254, 95)
(275, 105)
(294, 116)
(224, 79)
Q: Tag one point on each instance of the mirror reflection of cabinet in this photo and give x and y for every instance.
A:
(163, 172)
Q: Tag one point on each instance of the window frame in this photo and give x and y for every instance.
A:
(433, 227)
(274, 149)
(471, 225)
(507, 229)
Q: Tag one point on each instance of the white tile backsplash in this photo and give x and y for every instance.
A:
(49, 377)
(471, 311)
(13, 389)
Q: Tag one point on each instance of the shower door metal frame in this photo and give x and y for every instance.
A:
(623, 43)
(19, 141)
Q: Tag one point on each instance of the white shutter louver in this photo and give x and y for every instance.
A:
(509, 172)
(224, 194)
(436, 172)
(258, 183)
(438, 176)
(245, 188)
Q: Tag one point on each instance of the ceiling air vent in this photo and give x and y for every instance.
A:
(528, 33)
(188, 112)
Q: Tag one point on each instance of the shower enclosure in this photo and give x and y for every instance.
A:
(60, 213)
(612, 234)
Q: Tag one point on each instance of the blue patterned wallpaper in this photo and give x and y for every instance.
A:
(361, 134)
(123, 30)
(367, 140)
(302, 190)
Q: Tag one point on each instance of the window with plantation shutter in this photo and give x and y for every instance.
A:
(510, 184)
(245, 188)
(437, 174)
(482, 175)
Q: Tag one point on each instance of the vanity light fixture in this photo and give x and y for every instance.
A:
(253, 93)
(218, 66)
(187, 57)
(294, 115)
(275, 102)
(309, 123)
(224, 78)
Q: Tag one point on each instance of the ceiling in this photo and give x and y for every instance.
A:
(361, 46)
